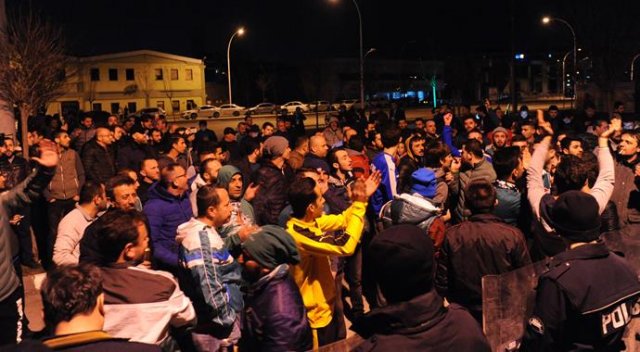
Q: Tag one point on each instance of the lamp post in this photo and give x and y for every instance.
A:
(239, 32)
(361, 53)
(547, 20)
(633, 62)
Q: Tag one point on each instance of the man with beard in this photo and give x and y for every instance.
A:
(131, 155)
(214, 280)
(499, 139)
(149, 173)
(242, 215)
(410, 162)
(626, 194)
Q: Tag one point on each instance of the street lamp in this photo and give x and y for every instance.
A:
(633, 62)
(361, 54)
(239, 32)
(547, 20)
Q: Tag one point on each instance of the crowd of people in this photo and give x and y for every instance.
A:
(270, 238)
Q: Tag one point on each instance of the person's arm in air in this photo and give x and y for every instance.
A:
(447, 135)
(33, 186)
(535, 185)
(603, 187)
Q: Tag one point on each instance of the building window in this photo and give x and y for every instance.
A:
(191, 104)
(189, 74)
(97, 107)
(115, 108)
(132, 106)
(129, 74)
(158, 73)
(174, 74)
(95, 74)
(160, 104)
(113, 74)
(175, 105)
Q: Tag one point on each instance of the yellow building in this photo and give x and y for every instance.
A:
(133, 80)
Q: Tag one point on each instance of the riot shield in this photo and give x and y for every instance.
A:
(507, 302)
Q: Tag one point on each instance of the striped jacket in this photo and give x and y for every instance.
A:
(213, 274)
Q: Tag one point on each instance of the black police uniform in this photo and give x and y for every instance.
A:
(583, 302)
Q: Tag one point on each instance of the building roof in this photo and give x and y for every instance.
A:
(126, 54)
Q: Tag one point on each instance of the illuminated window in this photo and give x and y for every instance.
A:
(175, 105)
(188, 74)
(174, 74)
(158, 74)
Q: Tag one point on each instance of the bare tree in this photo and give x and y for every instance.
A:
(264, 81)
(168, 90)
(32, 66)
(143, 82)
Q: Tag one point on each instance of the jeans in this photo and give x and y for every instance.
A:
(11, 318)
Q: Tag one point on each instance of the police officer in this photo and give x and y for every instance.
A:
(589, 294)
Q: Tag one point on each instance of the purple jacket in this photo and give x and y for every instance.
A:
(276, 319)
(165, 213)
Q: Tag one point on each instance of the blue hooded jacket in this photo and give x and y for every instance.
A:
(165, 213)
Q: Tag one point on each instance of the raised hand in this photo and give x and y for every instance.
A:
(372, 183)
(615, 125)
(48, 154)
(251, 192)
(448, 117)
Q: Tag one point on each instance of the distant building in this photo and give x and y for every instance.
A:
(133, 80)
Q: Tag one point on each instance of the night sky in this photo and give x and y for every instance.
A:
(279, 30)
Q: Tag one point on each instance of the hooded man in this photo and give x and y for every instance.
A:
(275, 316)
(410, 162)
(416, 207)
(273, 177)
(230, 178)
(415, 318)
(499, 140)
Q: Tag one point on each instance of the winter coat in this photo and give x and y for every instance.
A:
(420, 324)
(275, 317)
(509, 197)
(69, 177)
(214, 276)
(99, 163)
(272, 196)
(483, 245)
(482, 170)
(415, 210)
(165, 213)
(131, 156)
(16, 198)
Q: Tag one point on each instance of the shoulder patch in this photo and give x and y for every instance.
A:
(536, 325)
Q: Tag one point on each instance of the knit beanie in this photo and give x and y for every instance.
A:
(402, 260)
(575, 216)
(424, 182)
(272, 246)
(275, 146)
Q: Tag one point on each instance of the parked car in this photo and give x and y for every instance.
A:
(204, 111)
(149, 111)
(346, 102)
(321, 105)
(264, 108)
(292, 105)
(232, 109)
